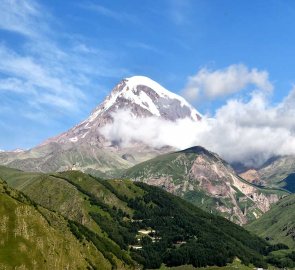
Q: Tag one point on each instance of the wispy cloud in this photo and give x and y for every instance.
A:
(21, 16)
(47, 70)
(179, 11)
(118, 15)
(104, 11)
(38, 81)
(143, 46)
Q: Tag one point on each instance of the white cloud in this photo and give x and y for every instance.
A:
(249, 132)
(152, 130)
(208, 84)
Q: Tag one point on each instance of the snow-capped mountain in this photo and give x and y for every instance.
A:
(146, 94)
(85, 147)
(141, 96)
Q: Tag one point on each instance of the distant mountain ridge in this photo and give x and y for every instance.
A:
(86, 148)
(276, 172)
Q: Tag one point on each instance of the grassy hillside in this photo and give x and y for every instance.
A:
(277, 225)
(32, 237)
(125, 222)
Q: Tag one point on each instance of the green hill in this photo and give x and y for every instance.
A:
(278, 224)
(129, 223)
(32, 237)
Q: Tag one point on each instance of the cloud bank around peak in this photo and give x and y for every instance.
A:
(153, 131)
(248, 131)
(207, 84)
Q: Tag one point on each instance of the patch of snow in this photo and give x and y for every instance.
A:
(93, 116)
(18, 150)
(134, 81)
(108, 102)
(84, 135)
(142, 100)
(74, 139)
(150, 104)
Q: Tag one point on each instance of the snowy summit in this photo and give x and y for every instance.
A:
(152, 98)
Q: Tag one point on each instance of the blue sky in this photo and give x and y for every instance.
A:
(59, 59)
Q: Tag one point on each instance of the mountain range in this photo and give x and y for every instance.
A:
(104, 145)
(111, 224)
(206, 180)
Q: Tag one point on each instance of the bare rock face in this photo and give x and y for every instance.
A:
(252, 176)
(219, 180)
(203, 178)
(85, 147)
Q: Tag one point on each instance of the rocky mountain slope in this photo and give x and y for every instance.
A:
(86, 148)
(206, 180)
(278, 224)
(124, 221)
(276, 172)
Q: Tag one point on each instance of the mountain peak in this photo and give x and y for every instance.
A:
(145, 97)
(199, 150)
(135, 81)
(196, 150)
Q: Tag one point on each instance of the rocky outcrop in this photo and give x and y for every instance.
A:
(252, 176)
